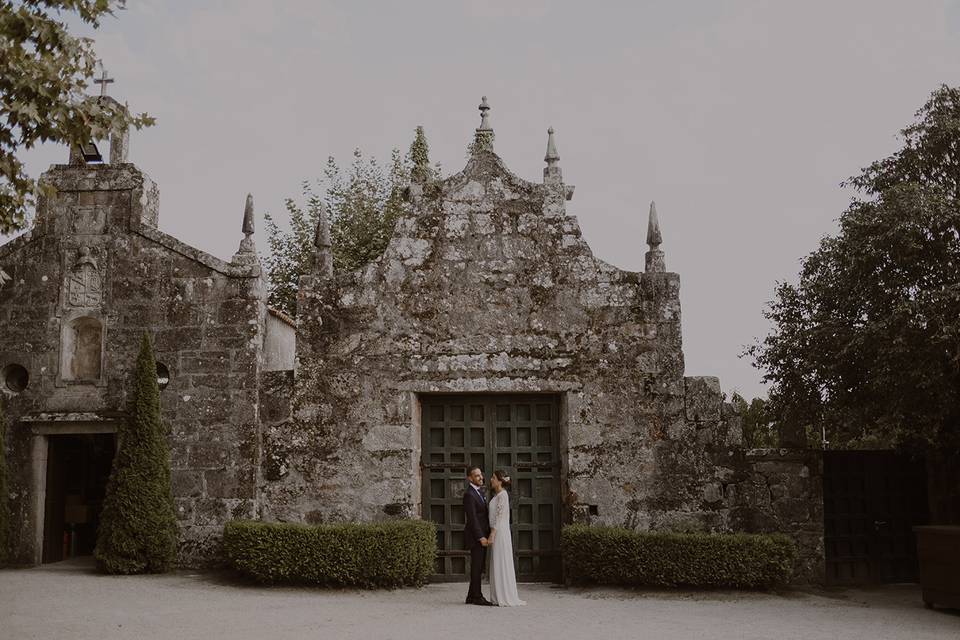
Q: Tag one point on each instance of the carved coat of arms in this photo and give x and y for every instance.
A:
(85, 283)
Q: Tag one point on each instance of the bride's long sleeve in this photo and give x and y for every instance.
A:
(503, 512)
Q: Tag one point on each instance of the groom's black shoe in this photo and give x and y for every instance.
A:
(483, 602)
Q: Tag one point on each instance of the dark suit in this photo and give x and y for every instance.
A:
(477, 526)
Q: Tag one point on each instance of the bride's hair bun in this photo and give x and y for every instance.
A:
(503, 478)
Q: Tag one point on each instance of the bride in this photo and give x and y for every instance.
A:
(503, 578)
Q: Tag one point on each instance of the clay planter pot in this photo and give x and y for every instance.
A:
(938, 550)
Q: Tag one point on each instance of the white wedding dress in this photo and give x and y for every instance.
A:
(503, 578)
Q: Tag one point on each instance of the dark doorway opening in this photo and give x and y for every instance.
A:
(78, 467)
(872, 500)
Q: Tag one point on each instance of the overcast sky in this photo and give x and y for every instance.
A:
(739, 118)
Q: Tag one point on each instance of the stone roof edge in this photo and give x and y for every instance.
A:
(460, 175)
(197, 255)
(607, 267)
(280, 315)
(19, 242)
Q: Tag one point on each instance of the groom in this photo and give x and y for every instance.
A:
(475, 532)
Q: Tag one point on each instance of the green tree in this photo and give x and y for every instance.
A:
(866, 346)
(291, 250)
(930, 156)
(758, 428)
(363, 203)
(138, 526)
(4, 505)
(44, 74)
(418, 159)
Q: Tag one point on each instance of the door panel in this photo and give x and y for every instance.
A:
(872, 499)
(518, 434)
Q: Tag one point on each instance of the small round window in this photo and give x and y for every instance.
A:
(163, 376)
(15, 377)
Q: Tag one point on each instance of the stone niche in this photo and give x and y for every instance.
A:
(82, 336)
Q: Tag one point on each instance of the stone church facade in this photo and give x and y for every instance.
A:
(487, 333)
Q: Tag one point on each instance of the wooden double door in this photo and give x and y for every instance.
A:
(872, 499)
(518, 434)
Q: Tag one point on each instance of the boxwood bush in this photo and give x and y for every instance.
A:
(369, 555)
(608, 555)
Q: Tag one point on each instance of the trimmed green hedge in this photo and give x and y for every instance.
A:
(608, 555)
(370, 555)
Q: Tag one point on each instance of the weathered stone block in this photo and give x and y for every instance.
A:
(186, 483)
(210, 511)
(385, 437)
(231, 482)
(205, 361)
(184, 509)
(703, 398)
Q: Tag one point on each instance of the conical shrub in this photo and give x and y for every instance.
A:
(138, 526)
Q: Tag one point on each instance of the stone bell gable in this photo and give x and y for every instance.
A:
(488, 287)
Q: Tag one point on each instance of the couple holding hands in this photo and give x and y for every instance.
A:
(488, 529)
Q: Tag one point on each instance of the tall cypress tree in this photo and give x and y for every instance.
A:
(138, 526)
(4, 506)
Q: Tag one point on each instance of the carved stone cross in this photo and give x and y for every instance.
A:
(103, 81)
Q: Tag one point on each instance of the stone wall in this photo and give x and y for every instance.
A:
(95, 254)
(781, 491)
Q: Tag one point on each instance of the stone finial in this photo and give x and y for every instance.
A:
(322, 246)
(248, 216)
(483, 139)
(655, 257)
(484, 115)
(654, 238)
(551, 173)
(552, 157)
(247, 253)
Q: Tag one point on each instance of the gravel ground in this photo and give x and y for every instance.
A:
(68, 600)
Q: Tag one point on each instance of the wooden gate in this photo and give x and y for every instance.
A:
(871, 501)
(518, 434)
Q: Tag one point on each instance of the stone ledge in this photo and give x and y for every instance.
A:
(73, 416)
(780, 454)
